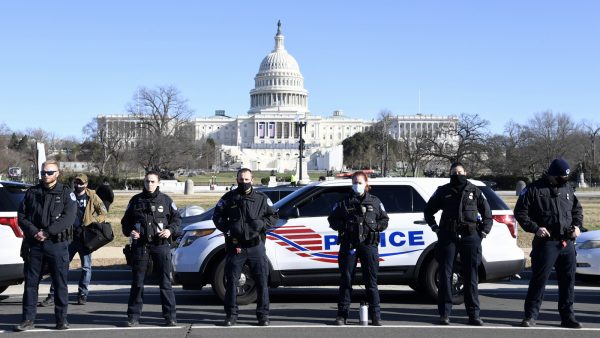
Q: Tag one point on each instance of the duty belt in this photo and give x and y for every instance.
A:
(245, 244)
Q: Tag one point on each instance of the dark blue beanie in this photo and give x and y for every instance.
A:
(559, 167)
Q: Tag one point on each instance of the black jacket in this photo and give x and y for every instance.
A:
(52, 210)
(105, 192)
(542, 205)
(358, 219)
(244, 217)
(151, 211)
(459, 208)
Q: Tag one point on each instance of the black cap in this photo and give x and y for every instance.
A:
(559, 167)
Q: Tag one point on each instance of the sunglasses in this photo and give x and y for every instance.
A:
(48, 172)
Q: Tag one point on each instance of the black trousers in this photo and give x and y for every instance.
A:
(256, 257)
(469, 248)
(162, 257)
(369, 262)
(56, 255)
(546, 254)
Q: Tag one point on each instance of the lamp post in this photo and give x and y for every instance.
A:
(300, 126)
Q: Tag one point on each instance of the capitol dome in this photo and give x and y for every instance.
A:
(279, 85)
(279, 58)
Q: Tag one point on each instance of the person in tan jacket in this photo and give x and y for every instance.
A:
(90, 209)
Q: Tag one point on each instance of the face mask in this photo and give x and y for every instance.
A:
(244, 186)
(561, 180)
(458, 180)
(359, 189)
(79, 188)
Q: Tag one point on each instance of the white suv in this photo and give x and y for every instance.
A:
(302, 250)
(11, 236)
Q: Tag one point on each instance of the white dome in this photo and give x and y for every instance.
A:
(279, 60)
(278, 85)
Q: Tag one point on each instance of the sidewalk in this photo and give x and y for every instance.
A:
(105, 256)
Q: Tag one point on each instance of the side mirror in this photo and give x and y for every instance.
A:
(292, 212)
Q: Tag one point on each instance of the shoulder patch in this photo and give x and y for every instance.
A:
(173, 205)
(381, 206)
(269, 202)
(220, 203)
(72, 195)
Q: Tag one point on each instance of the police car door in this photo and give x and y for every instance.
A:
(304, 239)
(407, 234)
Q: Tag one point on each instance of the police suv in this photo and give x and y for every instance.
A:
(11, 236)
(302, 249)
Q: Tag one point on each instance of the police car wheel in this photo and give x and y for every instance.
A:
(246, 289)
(417, 286)
(431, 281)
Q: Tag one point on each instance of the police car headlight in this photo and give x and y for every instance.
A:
(190, 236)
(589, 245)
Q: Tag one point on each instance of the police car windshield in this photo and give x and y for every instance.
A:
(11, 196)
(495, 202)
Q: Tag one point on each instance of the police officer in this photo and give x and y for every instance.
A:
(460, 232)
(244, 215)
(359, 219)
(151, 220)
(549, 209)
(90, 209)
(106, 194)
(46, 216)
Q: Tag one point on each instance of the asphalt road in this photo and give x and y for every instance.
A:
(302, 312)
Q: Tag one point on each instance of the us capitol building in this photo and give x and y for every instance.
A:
(268, 138)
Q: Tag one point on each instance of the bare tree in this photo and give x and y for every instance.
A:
(463, 141)
(592, 129)
(106, 144)
(416, 152)
(165, 120)
(550, 134)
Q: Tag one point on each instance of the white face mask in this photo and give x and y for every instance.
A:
(358, 188)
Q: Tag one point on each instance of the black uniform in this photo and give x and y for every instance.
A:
(245, 219)
(149, 213)
(460, 231)
(52, 211)
(359, 221)
(557, 209)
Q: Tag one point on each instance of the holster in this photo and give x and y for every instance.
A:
(25, 251)
(466, 228)
(65, 235)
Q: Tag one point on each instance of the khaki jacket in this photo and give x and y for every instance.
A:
(95, 211)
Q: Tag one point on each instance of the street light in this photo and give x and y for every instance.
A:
(300, 126)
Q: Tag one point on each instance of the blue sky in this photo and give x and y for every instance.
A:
(65, 62)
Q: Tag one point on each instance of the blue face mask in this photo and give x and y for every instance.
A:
(358, 189)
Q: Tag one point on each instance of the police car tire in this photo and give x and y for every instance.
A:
(417, 286)
(430, 284)
(218, 285)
